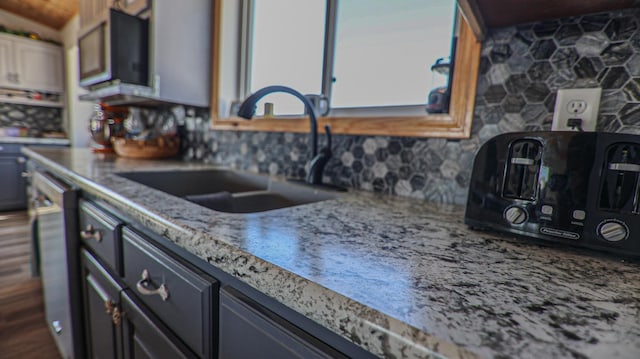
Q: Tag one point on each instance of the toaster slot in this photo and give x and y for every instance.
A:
(620, 188)
(522, 170)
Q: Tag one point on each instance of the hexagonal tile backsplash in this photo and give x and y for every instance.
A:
(521, 69)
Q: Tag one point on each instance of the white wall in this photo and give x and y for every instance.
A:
(77, 112)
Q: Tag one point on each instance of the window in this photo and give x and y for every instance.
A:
(365, 53)
(404, 38)
(365, 48)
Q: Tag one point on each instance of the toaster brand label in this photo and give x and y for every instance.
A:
(559, 233)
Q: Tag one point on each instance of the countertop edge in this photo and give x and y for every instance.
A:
(35, 140)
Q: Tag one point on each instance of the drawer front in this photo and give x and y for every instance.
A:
(101, 232)
(180, 297)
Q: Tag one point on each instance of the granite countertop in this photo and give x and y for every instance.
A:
(400, 277)
(35, 140)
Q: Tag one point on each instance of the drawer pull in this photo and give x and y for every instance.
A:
(116, 316)
(112, 310)
(162, 290)
(91, 232)
(109, 306)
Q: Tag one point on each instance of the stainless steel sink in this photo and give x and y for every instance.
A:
(231, 191)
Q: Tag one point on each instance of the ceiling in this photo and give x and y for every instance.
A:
(56, 13)
(52, 13)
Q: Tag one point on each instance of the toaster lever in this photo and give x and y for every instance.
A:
(522, 161)
(627, 167)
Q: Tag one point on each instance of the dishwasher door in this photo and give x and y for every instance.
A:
(56, 210)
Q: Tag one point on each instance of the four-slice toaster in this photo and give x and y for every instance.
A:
(580, 188)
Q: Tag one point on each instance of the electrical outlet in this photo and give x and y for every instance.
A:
(576, 109)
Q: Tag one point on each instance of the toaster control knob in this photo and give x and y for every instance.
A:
(613, 231)
(515, 215)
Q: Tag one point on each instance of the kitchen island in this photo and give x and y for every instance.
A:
(399, 277)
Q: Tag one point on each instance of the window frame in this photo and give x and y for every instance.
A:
(455, 124)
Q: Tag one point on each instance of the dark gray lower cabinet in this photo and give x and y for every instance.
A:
(248, 330)
(102, 308)
(146, 337)
(160, 304)
(13, 192)
(181, 297)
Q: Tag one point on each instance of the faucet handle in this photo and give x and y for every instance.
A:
(327, 131)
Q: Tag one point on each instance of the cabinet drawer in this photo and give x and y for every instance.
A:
(101, 232)
(180, 297)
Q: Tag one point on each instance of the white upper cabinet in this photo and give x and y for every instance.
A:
(6, 62)
(27, 64)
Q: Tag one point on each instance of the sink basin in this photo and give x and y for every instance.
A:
(230, 191)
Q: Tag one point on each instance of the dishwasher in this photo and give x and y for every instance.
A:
(56, 206)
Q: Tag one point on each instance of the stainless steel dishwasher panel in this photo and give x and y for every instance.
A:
(56, 210)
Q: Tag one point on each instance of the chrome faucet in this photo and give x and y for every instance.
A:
(318, 160)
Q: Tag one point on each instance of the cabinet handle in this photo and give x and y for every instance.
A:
(162, 291)
(109, 306)
(91, 232)
(116, 317)
(113, 311)
(21, 160)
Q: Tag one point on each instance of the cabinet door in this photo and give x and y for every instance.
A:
(6, 63)
(144, 336)
(38, 66)
(101, 294)
(248, 330)
(12, 186)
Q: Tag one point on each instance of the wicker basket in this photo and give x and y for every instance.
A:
(160, 147)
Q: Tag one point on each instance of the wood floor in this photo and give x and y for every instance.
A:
(23, 329)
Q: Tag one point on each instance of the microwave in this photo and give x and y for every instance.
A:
(116, 50)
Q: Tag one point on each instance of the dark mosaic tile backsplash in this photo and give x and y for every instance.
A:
(521, 69)
(36, 119)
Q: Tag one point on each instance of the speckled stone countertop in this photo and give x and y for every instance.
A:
(35, 140)
(400, 277)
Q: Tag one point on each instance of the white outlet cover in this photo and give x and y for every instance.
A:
(589, 116)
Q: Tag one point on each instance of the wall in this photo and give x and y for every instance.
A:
(77, 112)
(521, 69)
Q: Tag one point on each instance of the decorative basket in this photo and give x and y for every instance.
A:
(160, 147)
